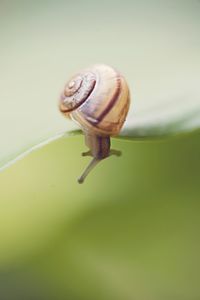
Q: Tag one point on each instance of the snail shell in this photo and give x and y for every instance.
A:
(98, 99)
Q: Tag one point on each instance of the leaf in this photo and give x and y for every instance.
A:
(42, 46)
(174, 118)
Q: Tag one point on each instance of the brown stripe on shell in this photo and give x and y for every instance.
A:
(110, 105)
(112, 101)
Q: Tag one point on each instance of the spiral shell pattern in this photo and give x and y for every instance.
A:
(98, 99)
(76, 91)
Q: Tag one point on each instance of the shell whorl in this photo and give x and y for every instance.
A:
(76, 91)
(98, 99)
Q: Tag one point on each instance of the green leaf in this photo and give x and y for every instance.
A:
(178, 117)
(157, 49)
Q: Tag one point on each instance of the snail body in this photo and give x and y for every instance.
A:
(98, 100)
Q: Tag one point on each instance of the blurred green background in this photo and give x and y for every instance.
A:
(131, 231)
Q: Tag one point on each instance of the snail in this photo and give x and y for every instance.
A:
(98, 100)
